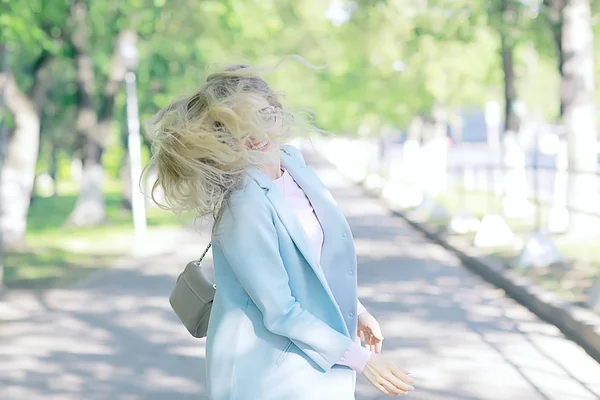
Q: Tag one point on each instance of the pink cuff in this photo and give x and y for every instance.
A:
(359, 307)
(355, 357)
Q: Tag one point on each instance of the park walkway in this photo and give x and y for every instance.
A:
(114, 336)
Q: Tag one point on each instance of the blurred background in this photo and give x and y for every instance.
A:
(479, 116)
(476, 119)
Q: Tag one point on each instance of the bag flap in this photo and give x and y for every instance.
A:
(198, 282)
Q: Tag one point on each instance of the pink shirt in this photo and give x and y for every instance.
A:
(356, 356)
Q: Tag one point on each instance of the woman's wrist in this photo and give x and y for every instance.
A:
(356, 357)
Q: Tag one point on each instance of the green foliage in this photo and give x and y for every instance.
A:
(63, 171)
(58, 255)
(385, 61)
(390, 58)
(20, 23)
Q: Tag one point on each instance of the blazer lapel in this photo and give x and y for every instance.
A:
(286, 215)
(313, 189)
(322, 201)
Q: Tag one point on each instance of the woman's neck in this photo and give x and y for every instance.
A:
(273, 171)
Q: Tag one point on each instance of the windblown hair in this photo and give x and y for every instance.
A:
(199, 142)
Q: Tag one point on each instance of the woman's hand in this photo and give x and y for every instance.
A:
(369, 327)
(386, 376)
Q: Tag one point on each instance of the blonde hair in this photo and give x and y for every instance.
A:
(199, 142)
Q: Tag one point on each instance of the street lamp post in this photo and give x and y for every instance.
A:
(3, 145)
(130, 56)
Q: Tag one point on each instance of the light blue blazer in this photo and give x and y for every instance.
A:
(280, 320)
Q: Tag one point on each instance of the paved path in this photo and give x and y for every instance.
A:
(114, 336)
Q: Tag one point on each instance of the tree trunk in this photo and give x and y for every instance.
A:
(434, 153)
(90, 208)
(555, 20)
(126, 199)
(579, 119)
(3, 143)
(511, 120)
(411, 151)
(406, 190)
(514, 203)
(54, 167)
(18, 171)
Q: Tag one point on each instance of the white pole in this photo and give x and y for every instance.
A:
(134, 143)
(3, 147)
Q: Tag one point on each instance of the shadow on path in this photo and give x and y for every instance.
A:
(115, 336)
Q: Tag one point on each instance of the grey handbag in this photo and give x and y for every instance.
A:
(192, 297)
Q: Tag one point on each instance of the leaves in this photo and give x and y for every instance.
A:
(385, 59)
(27, 24)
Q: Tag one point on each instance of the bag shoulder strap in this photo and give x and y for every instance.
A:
(209, 244)
(205, 251)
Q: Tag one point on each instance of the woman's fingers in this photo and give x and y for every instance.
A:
(398, 384)
(378, 346)
(385, 375)
(382, 389)
(392, 390)
(373, 343)
(367, 341)
(376, 332)
(402, 375)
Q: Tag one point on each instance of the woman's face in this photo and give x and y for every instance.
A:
(269, 116)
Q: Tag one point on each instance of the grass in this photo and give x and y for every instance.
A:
(573, 279)
(481, 203)
(56, 255)
(570, 280)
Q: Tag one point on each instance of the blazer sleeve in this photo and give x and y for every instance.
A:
(251, 248)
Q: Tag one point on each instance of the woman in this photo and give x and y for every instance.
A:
(286, 316)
